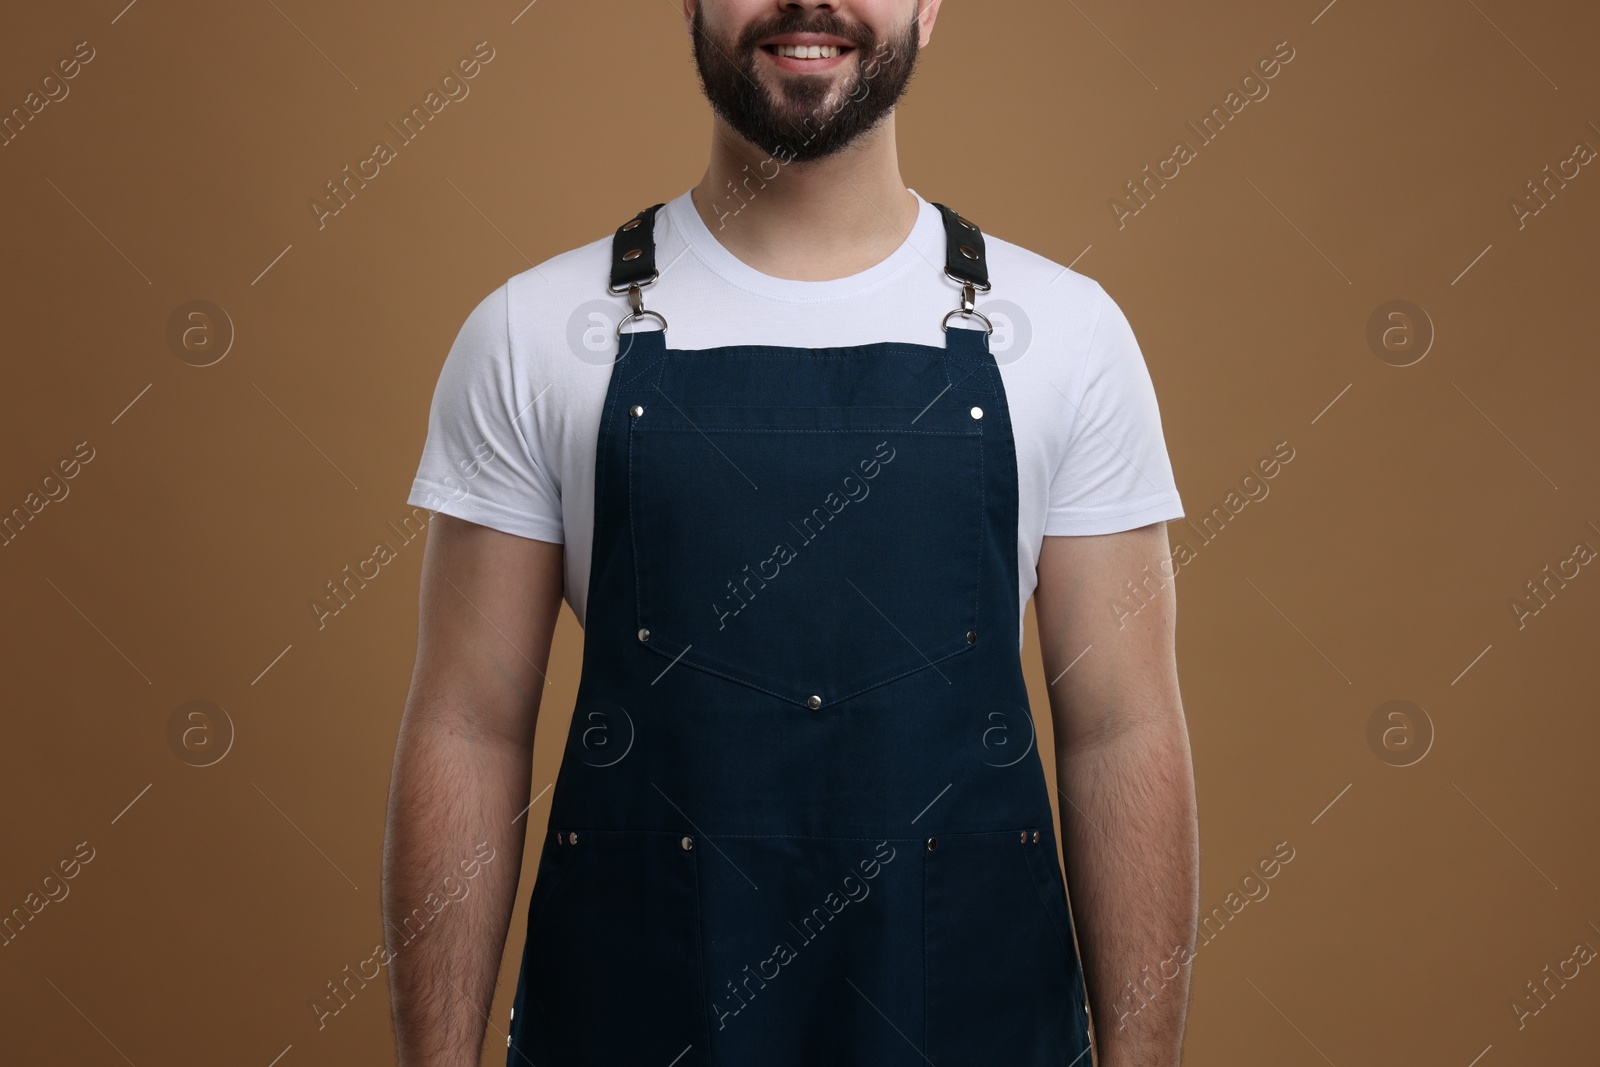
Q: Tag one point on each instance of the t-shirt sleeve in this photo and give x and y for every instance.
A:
(1115, 473)
(482, 459)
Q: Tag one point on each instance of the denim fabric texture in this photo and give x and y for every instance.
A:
(801, 817)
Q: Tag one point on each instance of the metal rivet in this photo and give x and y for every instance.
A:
(1023, 838)
(969, 253)
(1036, 837)
(508, 1041)
(933, 843)
(636, 410)
(972, 637)
(572, 837)
(686, 844)
(965, 223)
(813, 702)
(631, 223)
(644, 635)
(633, 254)
(513, 1012)
(977, 413)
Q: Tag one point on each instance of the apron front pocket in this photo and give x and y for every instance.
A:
(611, 969)
(1002, 986)
(812, 553)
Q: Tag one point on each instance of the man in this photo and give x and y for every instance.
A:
(810, 825)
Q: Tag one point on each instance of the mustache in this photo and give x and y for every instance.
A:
(826, 22)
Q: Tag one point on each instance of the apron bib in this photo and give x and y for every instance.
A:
(801, 819)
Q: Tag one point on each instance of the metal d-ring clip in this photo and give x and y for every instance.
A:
(636, 301)
(966, 307)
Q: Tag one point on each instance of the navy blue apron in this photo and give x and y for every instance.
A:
(801, 819)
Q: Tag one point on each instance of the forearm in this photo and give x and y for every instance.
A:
(1131, 842)
(451, 860)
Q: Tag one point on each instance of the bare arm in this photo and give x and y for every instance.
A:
(462, 769)
(1129, 826)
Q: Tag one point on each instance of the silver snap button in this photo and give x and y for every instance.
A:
(644, 634)
(977, 413)
(686, 843)
(813, 702)
(933, 843)
(972, 637)
(636, 410)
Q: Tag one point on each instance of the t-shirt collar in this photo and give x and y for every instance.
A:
(924, 247)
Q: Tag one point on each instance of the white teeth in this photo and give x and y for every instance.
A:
(815, 51)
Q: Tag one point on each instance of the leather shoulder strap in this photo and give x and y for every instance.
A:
(633, 251)
(963, 250)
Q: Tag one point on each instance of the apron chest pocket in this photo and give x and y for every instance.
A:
(811, 553)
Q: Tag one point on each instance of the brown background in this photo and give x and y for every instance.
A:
(220, 499)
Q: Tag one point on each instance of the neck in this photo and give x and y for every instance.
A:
(814, 221)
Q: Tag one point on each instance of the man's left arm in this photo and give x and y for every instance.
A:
(1130, 832)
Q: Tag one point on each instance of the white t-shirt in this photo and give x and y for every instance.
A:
(516, 411)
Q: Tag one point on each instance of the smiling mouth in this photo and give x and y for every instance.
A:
(804, 52)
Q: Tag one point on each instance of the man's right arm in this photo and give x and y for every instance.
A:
(462, 771)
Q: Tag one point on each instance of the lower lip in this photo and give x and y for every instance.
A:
(807, 66)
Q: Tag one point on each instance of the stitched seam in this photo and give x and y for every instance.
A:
(978, 624)
(894, 678)
(1007, 834)
(644, 369)
(700, 955)
(699, 666)
(1086, 373)
(679, 657)
(768, 429)
(981, 511)
(1043, 887)
(887, 348)
(559, 869)
(633, 533)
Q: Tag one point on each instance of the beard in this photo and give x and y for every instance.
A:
(804, 117)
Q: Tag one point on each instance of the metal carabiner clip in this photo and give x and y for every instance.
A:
(636, 301)
(967, 306)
